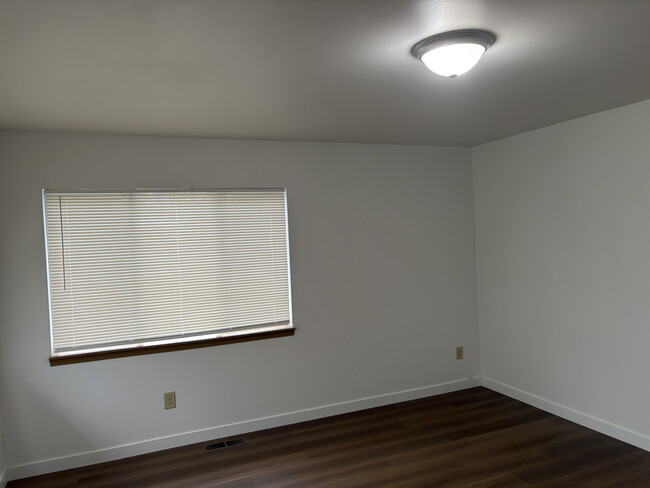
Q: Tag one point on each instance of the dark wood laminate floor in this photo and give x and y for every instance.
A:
(473, 438)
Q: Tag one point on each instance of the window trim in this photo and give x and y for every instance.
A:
(99, 354)
(154, 346)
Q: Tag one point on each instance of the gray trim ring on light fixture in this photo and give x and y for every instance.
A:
(473, 36)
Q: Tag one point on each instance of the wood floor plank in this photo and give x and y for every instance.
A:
(474, 438)
(502, 481)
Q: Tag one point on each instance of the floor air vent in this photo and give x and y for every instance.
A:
(223, 444)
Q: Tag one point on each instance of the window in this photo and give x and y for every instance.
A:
(153, 270)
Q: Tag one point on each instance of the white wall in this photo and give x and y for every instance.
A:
(2, 450)
(563, 246)
(382, 248)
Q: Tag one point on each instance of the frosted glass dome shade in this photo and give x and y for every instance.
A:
(453, 59)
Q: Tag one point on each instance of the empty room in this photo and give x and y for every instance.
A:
(324, 243)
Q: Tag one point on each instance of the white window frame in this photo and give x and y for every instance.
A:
(219, 335)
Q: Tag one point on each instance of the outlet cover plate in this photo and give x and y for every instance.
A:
(170, 400)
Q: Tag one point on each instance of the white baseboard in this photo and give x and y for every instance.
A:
(3, 479)
(594, 423)
(202, 435)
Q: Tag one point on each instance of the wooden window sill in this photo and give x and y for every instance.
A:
(82, 357)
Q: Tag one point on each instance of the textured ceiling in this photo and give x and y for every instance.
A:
(314, 70)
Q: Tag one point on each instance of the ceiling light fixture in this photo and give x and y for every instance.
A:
(453, 53)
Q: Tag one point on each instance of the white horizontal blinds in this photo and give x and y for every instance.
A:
(129, 267)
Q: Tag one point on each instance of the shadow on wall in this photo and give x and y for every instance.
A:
(73, 435)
